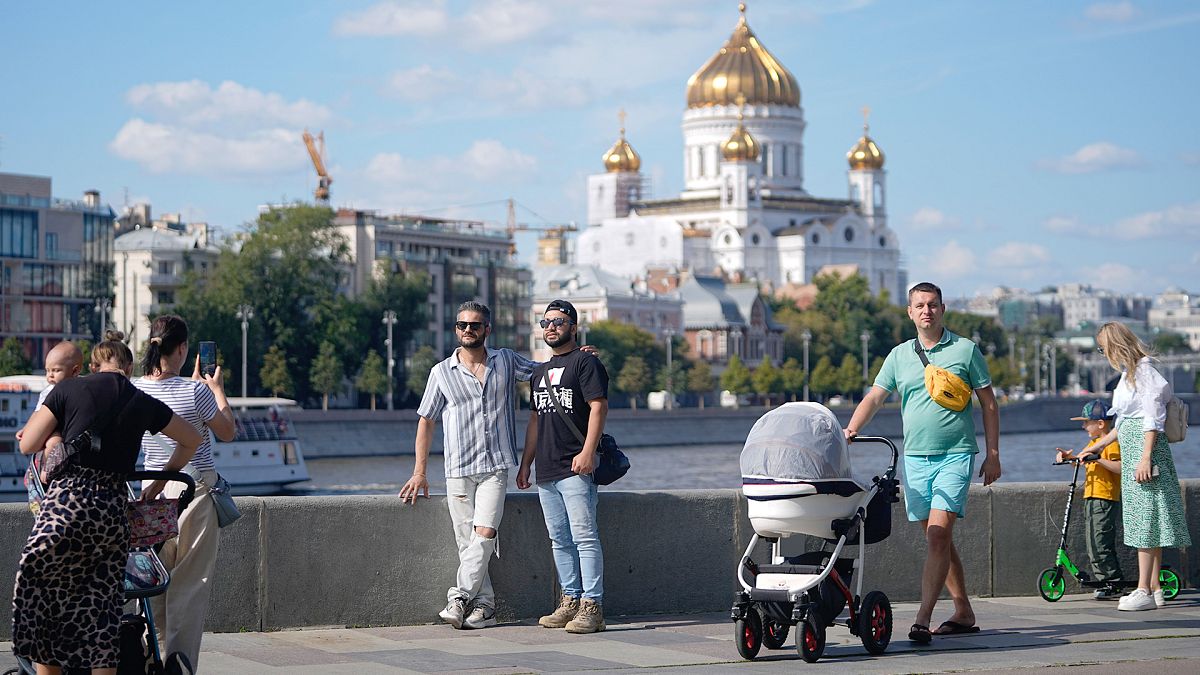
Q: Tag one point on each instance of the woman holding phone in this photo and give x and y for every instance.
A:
(191, 556)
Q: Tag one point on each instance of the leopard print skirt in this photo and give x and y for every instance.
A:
(70, 586)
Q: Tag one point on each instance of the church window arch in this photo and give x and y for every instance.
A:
(878, 196)
(848, 234)
(816, 238)
(727, 239)
(783, 160)
(629, 239)
(754, 239)
(883, 242)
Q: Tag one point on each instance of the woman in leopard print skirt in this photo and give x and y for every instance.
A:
(70, 585)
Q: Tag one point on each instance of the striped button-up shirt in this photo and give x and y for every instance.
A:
(479, 421)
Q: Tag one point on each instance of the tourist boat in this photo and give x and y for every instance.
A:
(262, 459)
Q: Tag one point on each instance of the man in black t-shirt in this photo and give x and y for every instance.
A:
(578, 383)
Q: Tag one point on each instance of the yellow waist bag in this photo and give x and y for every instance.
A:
(945, 388)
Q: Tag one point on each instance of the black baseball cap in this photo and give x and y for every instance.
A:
(564, 307)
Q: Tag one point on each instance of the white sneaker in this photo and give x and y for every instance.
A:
(1137, 601)
(480, 617)
(453, 614)
(1159, 600)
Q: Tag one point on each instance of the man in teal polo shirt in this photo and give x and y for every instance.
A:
(939, 449)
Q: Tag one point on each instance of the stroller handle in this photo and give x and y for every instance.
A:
(880, 439)
(177, 476)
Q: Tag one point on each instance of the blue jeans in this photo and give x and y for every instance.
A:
(569, 507)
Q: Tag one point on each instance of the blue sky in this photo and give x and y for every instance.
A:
(1028, 142)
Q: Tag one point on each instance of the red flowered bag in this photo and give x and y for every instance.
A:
(152, 522)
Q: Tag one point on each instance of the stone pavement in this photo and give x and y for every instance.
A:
(1017, 634)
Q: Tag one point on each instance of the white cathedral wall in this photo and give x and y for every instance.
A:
(627, 246)
(778, 129)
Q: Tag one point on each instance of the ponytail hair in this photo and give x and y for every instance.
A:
(112, 351)
(166, 334)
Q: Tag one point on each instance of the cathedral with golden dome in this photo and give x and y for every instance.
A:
(743, 212)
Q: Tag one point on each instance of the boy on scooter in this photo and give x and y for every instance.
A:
(1101, 496)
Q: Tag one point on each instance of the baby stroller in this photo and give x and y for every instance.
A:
(145, 578)
(796, 478)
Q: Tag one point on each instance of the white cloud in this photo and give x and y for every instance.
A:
(162, 148)
(647, 14)
(1064, 225)
(928, 218)
(1181, 221)
(1114, 275)
(951, 261)
(486, 159)
(526, 90)
(499, 22)
(1113, 12)
(1018, 255)
(1094, 157)
(195, 103)
(391, 19)
(422, 83)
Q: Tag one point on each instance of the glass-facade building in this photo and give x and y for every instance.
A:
(56, 264)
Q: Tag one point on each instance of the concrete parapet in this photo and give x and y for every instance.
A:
(358, 561)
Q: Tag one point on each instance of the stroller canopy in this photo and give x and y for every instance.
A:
(796, 441)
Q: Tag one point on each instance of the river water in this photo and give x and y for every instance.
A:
(1024, 458)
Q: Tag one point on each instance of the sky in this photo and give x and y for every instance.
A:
(1028, 143)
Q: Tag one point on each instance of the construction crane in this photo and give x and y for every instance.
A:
(552, 242)
(318, 159)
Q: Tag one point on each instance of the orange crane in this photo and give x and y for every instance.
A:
(318, 159)
(552, 242)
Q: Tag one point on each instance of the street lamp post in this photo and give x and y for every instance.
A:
(1037, 367)
(102, 307)
(583, 331)
(669, 334)
(389, 320)
(736, 334)
(1012, 356)
(806, 336)
(245, 313)
(865, 337)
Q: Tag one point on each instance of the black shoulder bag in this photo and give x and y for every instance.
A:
(611, 463)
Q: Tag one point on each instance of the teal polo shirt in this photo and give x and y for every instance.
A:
(930, 429)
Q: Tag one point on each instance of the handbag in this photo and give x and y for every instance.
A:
(611, 463)
(152, 522)
(59, 456)
(222, 500)
(945, 388)
(1177, 420)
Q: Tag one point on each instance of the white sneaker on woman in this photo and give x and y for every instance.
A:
(1159, 600)
(1137, 601)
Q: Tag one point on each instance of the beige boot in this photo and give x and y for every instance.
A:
(568, 607)
(590, 618)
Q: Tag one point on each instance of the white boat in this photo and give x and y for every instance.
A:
(264, 457)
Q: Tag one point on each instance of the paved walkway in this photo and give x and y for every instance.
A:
(1018, 634)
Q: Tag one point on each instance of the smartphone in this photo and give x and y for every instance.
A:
(208, 358)
(1154, 471)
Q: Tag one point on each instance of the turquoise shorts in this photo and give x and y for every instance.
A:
(937, 482)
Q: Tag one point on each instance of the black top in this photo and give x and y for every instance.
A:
(77, 404)
(577, 378)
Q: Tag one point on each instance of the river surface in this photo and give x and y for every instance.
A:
(1024, 458)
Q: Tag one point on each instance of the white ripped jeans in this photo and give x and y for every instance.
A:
(476, 501)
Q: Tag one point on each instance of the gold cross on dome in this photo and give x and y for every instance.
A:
(621, 117)
(741, 104)
(866, 111)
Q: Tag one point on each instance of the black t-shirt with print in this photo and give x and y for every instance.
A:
(79, 403)
(577, 377)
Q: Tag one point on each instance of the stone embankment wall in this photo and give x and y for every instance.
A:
(357, 561)
(348, 433)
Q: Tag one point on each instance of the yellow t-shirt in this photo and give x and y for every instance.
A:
(1100, 482)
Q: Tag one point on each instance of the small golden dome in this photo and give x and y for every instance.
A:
(621, 156)
(865, 154)
(741, 146)
(743, 66)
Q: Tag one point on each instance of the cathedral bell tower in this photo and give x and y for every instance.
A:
(866, 177)
(740, 170)
(611, 193)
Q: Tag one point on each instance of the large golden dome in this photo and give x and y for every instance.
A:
(621, 156)
(865, 154)
(743, 66)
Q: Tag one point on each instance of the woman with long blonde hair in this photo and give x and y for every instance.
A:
(1152, 505)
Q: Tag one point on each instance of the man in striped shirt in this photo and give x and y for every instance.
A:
(474, 391)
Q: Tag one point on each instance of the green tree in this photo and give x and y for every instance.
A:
(326, 375)
(618, 341)
(1169, 341)
(372, 379)
(276, 375)
(824, 379)
(12, 358)
(673, 380)
(736, 378)
(634, 378)
(876, 366)
(849, 376)
(85, 348)
(792, 378)
(767, 380)
(423, 361)
(700, 380)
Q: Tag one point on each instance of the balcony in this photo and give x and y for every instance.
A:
(171, 280)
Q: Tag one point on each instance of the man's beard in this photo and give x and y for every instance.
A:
(470, 342)
(562, 339)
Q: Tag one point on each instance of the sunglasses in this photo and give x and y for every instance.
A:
(473, 325)
(1100, 350)
(557, 322)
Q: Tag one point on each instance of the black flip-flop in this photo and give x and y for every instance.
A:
(955, 628)
(920, 634)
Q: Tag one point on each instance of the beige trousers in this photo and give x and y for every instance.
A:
(191, 557)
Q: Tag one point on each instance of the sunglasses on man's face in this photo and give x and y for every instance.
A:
(557, 322)
(473, 325)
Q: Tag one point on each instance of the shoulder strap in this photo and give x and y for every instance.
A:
(920, 352)
(558, 408)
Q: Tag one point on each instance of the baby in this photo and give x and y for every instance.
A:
(63, 362)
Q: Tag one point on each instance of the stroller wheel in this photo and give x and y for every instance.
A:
(875, 622)
(774, 634)
(748, 633)
(1169, 581)
(811, 640)
(1050, 584)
